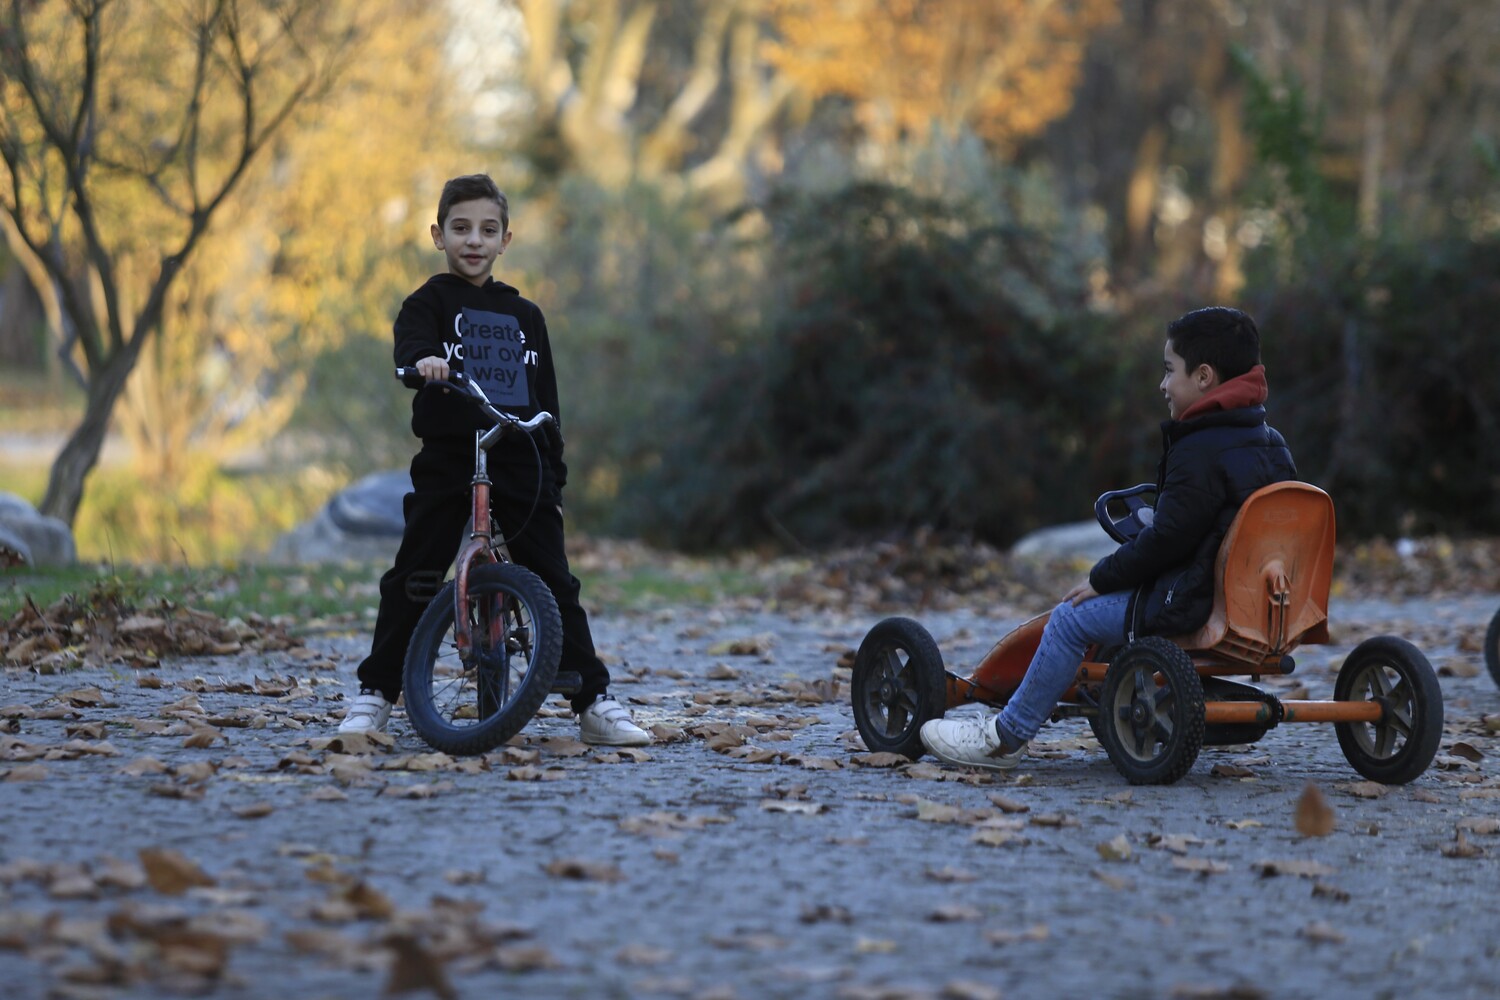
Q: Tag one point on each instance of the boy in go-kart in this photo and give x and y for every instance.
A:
(1216, 450)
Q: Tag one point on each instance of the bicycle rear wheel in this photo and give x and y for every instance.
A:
(470, 698)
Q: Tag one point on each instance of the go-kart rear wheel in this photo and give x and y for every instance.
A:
(898, 684)
(1492, 647)
(1151, 712)
(1394, 673)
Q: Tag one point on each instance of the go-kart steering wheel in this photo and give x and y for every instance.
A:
(1124, 513)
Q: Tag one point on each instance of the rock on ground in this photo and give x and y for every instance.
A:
(36, 539)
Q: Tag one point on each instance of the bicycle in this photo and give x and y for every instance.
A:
(485, 653)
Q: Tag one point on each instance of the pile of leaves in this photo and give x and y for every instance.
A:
(930, 571)
(1416, 567)
(927, 571)
(107, 626)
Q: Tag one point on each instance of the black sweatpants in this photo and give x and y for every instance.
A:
(436, 512)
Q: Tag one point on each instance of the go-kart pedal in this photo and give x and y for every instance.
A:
(567, 682)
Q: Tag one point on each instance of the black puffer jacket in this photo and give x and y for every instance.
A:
(1209, 465)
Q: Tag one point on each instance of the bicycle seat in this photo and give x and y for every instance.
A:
(1123, 513)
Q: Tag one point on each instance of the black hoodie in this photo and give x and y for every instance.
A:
(499, 339)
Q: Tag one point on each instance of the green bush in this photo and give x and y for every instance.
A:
(1384, 371)
(920, 364)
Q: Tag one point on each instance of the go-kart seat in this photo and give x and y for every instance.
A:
(1272, 577)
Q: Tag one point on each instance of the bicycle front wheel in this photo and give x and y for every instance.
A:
(468, 697)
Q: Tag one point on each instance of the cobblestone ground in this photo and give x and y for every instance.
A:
(178, 831)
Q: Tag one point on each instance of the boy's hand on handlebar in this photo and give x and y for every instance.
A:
(1083, 592)
(433, 369)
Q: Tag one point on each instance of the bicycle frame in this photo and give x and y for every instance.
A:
(481, 545)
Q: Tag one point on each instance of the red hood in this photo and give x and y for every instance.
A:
(1244, 390)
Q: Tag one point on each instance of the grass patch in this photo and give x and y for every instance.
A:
(643, 588)
(314, 597)
(345, 597)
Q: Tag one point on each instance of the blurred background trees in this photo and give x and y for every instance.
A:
(817, 272)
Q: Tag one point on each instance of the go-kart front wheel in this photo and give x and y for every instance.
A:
(898, 684)
(1151, 712)
(1399, 746)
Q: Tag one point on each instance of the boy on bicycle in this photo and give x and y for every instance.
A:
(465, 320)
(1216, 450)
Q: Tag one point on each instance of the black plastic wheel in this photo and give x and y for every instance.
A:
(898, 684)
(1393, 672)
(1492, 647)
(468, 701)
(1151, 712)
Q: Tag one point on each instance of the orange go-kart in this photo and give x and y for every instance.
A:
(1155, 702)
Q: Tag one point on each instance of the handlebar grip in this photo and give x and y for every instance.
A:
(411, 378)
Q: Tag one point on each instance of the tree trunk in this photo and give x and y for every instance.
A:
(71, 468)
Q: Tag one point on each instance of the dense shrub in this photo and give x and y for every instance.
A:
(1385, 369)
(916, 366)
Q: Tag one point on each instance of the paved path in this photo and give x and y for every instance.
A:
(549, 870)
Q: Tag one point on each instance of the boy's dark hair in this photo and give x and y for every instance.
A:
(1224, 339)
(469, 188)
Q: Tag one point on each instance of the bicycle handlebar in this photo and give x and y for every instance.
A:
(413, 379)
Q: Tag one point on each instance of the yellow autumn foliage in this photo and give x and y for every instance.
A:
(1004, 68)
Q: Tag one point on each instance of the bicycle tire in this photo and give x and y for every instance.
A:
(471, 702)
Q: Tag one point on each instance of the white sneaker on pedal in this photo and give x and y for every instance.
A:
(970, 742)
(607, 723)
(367, 713)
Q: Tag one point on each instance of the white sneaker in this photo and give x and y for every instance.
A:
(606, 723)
(368, 713)
(972, 741)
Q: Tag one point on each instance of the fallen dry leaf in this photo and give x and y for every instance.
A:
(1007, 804)
(171, 873)
(1366, 789)
(414, 968)
(420, 791)
(1322, 933)
(1487, 825)
(996, 837)
(1322, 890)
(1113, 881)
(966, 989)
(882, 759)
(1467, 751)
(1305, 869)
(1315, 817)
(1036, 932)
(588, 871)
(368, 901)
(825, 913)
(951, 913)
(1462, 848)
(1176, 843)
(1458, 666)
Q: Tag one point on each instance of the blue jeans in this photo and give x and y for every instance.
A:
(1069, 632)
